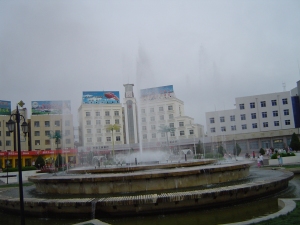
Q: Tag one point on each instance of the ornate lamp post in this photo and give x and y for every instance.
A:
(11, 127)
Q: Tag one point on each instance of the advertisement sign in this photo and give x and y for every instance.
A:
(100, 97)
(50, 107)
(5, 107)
(157, 93)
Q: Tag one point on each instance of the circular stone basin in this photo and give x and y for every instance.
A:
(141, 178)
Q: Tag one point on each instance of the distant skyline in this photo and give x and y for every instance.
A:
(210, 51)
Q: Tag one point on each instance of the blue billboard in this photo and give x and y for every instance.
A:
(50, 107)
(157, 92)
(100, 97)
(5, 107)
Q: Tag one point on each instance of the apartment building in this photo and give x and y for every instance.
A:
(266, 120)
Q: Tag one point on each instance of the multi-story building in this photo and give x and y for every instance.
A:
(259, 121)
(97, 113)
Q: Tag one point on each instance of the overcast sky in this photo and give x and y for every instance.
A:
(210, 51)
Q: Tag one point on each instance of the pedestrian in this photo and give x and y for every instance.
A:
(261, 157)
(253, 153)
(258, 162)
(279, 159)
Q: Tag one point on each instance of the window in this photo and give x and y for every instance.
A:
(161, 108)
(264, 114)
(118, 138)
(233, 127)
(7, 143)
(47, 142)
(161, 117)
(99, 139)
(107, 121)
(47, 133)
(7, 134)
(254, 125)
(67, 123)
(222, 119)
(0, 143)
(153, 127)
(116, 113)
(117, 121)
(36, 133)
(89, 131)
(98, 122)
(286, 112)
(181, 124)
(57, 123)
(212, 120)
(242, 106)
(0, 133)
(97, 113)
(223, 129)
(37, 142)
(144, 120)
(212, 130)
(287, 122)
(172, 134)
(253, 115)
(108, 130)
(181, 132)
(191, 131)
(275, 113)
(274, 102)
(87, 113)
(243, 116)
(171, 125)
(263, 103)
(152, 118)
(88, 122)
(284, 101)
(89, 139)
(68, 141)
(107, 113)
(47, 123)
(163, 135)
(170, 107)
(152, 110)
(252, 105)
(153, 135)
(265, 124)
(143, 111)
(36, 124)
(144, 128)
(108, 138)
(232, 118)
(276, 123)
(98, 131)
(144, 136)
(171, 116)
(244, 126)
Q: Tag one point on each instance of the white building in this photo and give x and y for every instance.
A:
(266, 120)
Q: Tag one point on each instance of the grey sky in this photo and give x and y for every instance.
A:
(211, 51)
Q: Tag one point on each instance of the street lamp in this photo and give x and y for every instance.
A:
(194, 141)
(11, 127)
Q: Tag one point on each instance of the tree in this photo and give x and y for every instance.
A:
(39, 162)
(237, 149)
(113, 127)
(221, 150)
(295, 143)
(262, 151)
(59, 161)
(165, 130)
(56, 136)
(199, 148)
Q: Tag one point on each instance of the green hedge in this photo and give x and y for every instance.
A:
(274, 156)
(26, 168)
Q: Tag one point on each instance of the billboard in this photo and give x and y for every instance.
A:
(5, 107)
(50, 107)
(100, 97)
(157, 93)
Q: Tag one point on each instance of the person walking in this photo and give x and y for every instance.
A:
(258, 162)
(261, 157)
(279, 159)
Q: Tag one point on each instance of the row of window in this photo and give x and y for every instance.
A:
(161, 117)
(48, 142)
(106, 113)
(160, 109)
(98, 131)
(286, 112)
(254, 126)
(48, 123)
(98, 122)
(99, 139)
(48, 133)
(264, 104)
